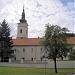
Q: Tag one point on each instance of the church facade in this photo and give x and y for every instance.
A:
(24, 47)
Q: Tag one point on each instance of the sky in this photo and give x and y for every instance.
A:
(38, 13)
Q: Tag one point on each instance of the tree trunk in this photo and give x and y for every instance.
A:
(55, 65)
(2, 58)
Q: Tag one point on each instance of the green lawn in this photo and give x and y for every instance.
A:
(32, 71)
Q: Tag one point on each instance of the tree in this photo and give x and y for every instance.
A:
(55, 42)
(72, 54)
(70, 34)
(5, 42)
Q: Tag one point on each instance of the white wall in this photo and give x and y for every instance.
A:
(28, 54)
(24, 27)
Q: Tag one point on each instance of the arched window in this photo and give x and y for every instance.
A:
(23, 50)
(32, 49)
(41, 50)
(32, 58)
(21, 31)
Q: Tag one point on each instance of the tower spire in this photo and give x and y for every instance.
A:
(23, 16)
(23, 8)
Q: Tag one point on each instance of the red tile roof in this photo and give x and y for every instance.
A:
(36, 41)
(27, 41)
(71, 40)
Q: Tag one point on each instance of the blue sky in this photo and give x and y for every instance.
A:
(38, 14)
(65, 2)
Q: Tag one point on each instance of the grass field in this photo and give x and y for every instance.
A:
(32, 71)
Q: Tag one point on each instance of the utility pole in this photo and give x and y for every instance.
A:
(46, 55)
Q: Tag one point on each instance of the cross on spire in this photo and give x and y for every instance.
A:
(23, 16)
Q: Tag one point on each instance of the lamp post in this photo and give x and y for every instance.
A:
(46, 55)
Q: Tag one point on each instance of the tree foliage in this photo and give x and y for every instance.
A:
(5, 42)
(70, 34)
(72, 54)
(55, 42)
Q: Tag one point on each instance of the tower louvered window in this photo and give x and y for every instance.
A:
(21, 31)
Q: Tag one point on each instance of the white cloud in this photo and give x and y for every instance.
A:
(38, 13)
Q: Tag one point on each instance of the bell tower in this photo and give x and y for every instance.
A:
(22, 31)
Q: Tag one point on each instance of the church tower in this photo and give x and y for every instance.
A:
(22, 31)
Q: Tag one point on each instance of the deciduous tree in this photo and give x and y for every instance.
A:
(72, 54)
(55, 42)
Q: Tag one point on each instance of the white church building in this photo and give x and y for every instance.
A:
(28, 48)
(24, 47)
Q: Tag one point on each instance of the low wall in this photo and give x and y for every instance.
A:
(49, 64)
(61, 64)
(23, 65)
